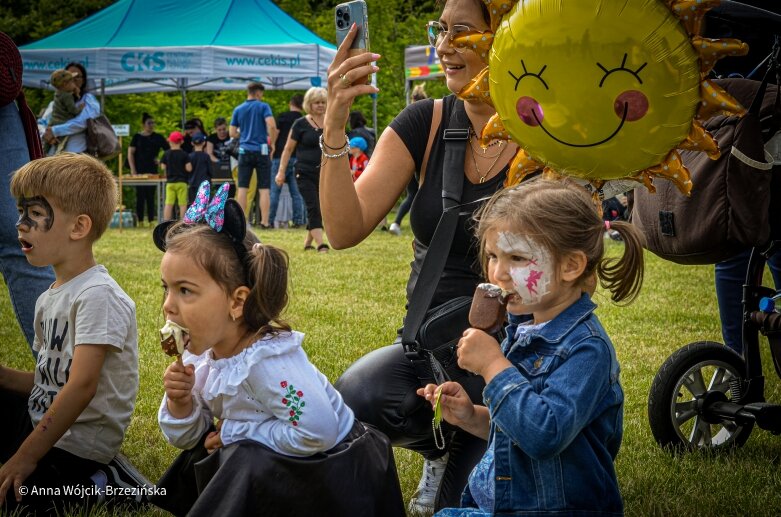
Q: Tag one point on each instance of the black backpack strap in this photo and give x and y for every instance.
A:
(773, 69)
(456, 137)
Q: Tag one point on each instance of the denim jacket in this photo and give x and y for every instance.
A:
(556, 419)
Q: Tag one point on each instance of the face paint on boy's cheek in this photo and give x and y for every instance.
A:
(28, 203)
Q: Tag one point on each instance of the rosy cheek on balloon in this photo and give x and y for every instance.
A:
(528, 109)
(635, 103)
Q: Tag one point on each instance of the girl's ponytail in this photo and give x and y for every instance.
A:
(268, 271)
(623, 277)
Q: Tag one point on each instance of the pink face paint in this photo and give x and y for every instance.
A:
(532, 281)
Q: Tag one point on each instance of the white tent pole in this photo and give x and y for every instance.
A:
(374, 107)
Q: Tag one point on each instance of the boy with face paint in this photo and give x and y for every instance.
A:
(67, 420)
(553, 402)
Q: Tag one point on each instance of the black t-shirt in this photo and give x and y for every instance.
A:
(219, 145)
(147, 148)
(284, 123)
(462, 270)
(308, 147)
(202, 168)
(175, 160)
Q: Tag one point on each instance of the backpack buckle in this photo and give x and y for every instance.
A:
(455, 134)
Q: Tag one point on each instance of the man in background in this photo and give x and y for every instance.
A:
(253, 123)
(284, 123)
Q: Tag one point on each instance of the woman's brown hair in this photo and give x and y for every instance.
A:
(562, 217)
(262, 268)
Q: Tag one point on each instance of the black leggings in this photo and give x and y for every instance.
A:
(309, 186)
(380, 388)
(146, 196)
(57, 469)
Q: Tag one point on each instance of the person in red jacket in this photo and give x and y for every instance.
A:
(358, 158)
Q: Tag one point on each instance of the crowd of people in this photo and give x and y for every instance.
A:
(533, 427)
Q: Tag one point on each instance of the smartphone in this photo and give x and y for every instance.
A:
(344, 16)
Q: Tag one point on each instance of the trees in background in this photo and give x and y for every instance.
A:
(394, 25)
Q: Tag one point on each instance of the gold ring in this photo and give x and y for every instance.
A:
(345, 81)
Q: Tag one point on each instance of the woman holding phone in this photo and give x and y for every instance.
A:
(380, 387)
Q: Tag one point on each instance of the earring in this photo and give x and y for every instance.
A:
(233, 317)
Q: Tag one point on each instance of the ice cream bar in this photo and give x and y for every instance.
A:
(172, 338)
(487, 312)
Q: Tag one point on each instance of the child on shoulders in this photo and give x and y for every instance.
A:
(66, 421)
(246, 367)
(553, 402)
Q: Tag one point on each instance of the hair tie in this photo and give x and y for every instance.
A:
(607, 225)
(257, 246)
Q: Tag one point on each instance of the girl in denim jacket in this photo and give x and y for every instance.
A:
(553, 403)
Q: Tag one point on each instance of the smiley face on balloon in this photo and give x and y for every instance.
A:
(602, 90)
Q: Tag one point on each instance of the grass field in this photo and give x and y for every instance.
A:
(349, 302)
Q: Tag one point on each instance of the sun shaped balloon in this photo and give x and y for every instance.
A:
(601, 90)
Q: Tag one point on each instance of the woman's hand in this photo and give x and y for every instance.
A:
(48, 136)
(480, 353)
(457, 407)
(341, 90)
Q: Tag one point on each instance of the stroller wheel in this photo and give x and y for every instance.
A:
(687, 375)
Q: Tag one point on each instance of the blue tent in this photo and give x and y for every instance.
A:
(159, 45)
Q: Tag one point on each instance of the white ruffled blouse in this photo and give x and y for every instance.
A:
(269, 393)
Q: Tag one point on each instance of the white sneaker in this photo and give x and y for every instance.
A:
(422, 502)
(395, 229)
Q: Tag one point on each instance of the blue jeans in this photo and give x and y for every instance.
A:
(25, 282)
(292, 185)
(730, 277)
(412, 191)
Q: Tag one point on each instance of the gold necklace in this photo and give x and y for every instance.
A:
(472, 133)
(484, 176)
(500, 143)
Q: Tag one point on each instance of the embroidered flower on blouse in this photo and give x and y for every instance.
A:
(292, 400)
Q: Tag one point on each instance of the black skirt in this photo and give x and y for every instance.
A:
(357, 477)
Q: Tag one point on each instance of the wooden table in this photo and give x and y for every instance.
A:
(148, 181)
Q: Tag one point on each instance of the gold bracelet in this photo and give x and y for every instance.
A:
(342, 150)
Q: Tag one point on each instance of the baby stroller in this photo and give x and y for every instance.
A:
(705, 395)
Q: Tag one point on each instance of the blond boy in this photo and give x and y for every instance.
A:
(67, 419)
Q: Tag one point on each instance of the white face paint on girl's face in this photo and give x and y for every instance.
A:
(531, 280)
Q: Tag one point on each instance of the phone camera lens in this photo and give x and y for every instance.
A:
(339, 23)
(347, 17)
(339, 13)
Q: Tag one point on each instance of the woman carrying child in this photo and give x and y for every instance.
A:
(285, 442)
(553, 402)
(76, 128)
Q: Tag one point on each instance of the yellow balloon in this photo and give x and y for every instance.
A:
(598, 89)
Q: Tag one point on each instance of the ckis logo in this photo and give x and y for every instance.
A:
(142, 61)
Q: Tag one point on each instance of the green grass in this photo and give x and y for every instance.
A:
(349, 302)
